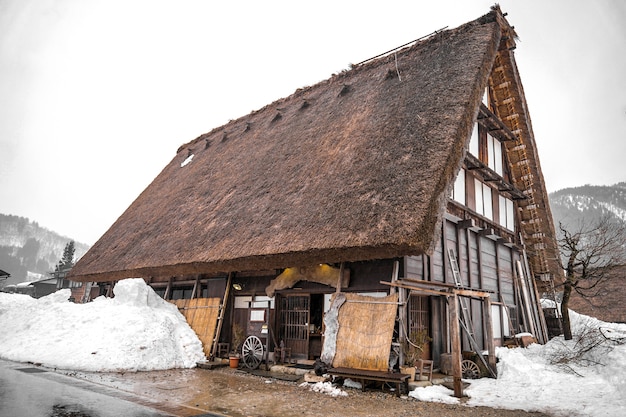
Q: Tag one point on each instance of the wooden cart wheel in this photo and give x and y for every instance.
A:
(469, 369)
(252, 352)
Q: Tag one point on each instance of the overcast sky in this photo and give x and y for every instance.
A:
(97, 95)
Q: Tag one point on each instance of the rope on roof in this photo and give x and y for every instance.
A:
(402, 46)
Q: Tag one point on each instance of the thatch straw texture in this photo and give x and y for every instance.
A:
(357, 167)
(201, 315)
(365, 332)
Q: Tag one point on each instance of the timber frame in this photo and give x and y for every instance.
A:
(374, 173)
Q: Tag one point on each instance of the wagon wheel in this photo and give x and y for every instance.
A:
(469, 369)
(252, 352)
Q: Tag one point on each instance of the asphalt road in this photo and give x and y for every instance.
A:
(30, 391)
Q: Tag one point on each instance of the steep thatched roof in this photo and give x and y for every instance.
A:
(356, 167)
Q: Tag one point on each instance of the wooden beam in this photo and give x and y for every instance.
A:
(489, 325)
(429, 283)
(466, 224)
(416, 289)
(455, 341)
(471, 293)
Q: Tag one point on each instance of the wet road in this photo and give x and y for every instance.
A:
(29, 391)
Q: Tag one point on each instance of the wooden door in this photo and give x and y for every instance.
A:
(294, 325)
(419, 319)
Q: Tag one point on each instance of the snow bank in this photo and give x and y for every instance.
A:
(325, 388)
(561, 377)
(135, 331)
(582, 377)
(434, 393)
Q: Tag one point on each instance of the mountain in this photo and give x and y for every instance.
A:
(589, 202)
(576, 206)
(29, 251)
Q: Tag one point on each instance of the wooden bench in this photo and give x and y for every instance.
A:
(361, 375)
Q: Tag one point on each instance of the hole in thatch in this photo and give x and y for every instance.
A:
(248, 126)
(207, 143)
(277, 117)
(391, 74)
(187, 160)
(224, 137)
(345, 89)
(304, 105)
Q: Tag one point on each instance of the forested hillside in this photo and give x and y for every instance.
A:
(580, 207)
(589, 203)
(28, 251)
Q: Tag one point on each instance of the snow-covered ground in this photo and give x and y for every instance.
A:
(137, 330)
(585, 376)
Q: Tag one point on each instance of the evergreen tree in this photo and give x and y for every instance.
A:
(67, 261)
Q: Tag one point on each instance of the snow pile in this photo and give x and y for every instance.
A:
(325, 388)
(434, 393)
(135, 331)
(348, 383)
(585, 376)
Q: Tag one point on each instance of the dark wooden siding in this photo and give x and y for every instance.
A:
(484, 264)
(489, 276)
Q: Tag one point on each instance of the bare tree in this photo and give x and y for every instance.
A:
(588, 255)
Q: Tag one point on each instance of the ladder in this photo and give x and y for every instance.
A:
(220, 318)
(465, 318)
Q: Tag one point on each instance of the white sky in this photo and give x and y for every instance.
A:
(97, 95)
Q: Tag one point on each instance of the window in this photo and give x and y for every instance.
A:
(494, 154)
(486, 100)
(500, 321)
(484, 204)
(182, 293)
(458, 192)
(507, 213)
(473, 146)
(487, 148)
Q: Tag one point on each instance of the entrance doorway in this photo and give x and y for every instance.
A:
(301, 324)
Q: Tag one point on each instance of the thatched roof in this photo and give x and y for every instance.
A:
(356, 167)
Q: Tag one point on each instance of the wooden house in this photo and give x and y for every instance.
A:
(397, 178)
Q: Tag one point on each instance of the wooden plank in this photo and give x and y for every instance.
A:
(367, 375)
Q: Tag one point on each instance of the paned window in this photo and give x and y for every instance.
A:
(484, 204)
(494, 154)
(474, 141)
(458, 192)
(507, 213)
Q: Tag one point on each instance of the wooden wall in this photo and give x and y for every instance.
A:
(485, 263)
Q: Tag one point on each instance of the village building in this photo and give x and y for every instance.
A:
(377, 206)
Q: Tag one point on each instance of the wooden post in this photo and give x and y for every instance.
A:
(340, 278)
(394, 276)
(168, 289)
(403, 324)
(194, 292)
(489, 327)
(455, 342)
